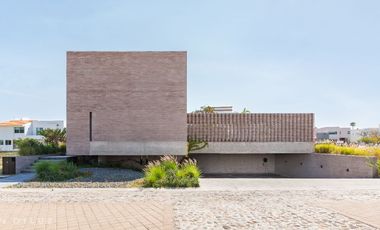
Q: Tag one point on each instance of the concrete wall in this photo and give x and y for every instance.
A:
(325, 166)
(288, 165)
(257, 148)
(235, 164)
(134, 97)
(137, 148)
(23, 162)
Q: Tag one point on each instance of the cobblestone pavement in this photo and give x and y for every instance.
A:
(297, 206)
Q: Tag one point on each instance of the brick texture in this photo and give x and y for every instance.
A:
(255, 127)
(133, 96)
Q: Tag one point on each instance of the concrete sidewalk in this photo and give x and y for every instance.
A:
(15, 179)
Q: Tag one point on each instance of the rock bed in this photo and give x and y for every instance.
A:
(99, 178)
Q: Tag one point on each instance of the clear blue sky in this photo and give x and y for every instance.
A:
(269, 56)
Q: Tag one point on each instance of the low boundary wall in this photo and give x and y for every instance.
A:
(317, 165)
(312, 165)
(23, 162)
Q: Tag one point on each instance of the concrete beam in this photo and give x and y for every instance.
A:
(136, 148)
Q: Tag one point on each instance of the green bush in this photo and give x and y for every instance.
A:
(56, 171)
(167, 172)
(29, 146)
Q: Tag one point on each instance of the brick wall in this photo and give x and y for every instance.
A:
(133, 96)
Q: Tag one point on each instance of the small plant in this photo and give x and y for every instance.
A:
(56, 171)
(193, 145)
(168, 172)
(245, 111)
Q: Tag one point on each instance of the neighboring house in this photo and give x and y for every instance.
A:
(334, 134)
(357, 134)
(343, 134)
(18, 129)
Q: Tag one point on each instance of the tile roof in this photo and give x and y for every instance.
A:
(13, 123)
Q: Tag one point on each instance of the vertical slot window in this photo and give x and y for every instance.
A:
(90, 137)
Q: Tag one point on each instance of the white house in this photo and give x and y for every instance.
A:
(334, 134)
(17, 129)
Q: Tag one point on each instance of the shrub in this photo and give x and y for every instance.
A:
(29, 146)
(347, 150)
(56, 171)
(168, 172)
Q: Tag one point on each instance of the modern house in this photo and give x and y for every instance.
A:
(334, 134)
(131, 106)
(18, 129)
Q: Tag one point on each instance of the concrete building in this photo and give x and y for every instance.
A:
(18, 129)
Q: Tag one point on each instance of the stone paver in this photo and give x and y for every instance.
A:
(364, 211)
(85, 215)
(218, 204)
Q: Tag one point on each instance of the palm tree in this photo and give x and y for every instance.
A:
(54, 136)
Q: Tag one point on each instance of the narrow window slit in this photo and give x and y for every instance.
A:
(90, 126)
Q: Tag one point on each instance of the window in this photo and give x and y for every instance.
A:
(38, 130)
(1, 142)
(19, 130)
(333, 133)
(8, 142)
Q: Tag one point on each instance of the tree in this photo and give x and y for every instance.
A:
(207, 109)
(54, 136)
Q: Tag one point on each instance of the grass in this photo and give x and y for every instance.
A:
(347, 150)
(169, 173)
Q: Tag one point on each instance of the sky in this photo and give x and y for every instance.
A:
(319, 56)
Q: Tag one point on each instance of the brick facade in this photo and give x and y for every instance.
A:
(137, 97)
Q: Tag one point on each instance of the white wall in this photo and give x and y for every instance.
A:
(7, 133)
(45, 125)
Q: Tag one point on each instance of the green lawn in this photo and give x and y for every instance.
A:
(5, 154)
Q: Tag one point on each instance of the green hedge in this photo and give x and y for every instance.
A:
(168, 172)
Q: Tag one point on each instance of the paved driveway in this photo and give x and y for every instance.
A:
(218, 204)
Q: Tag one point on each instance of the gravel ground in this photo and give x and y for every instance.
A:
(210, 209)
(100, 178)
